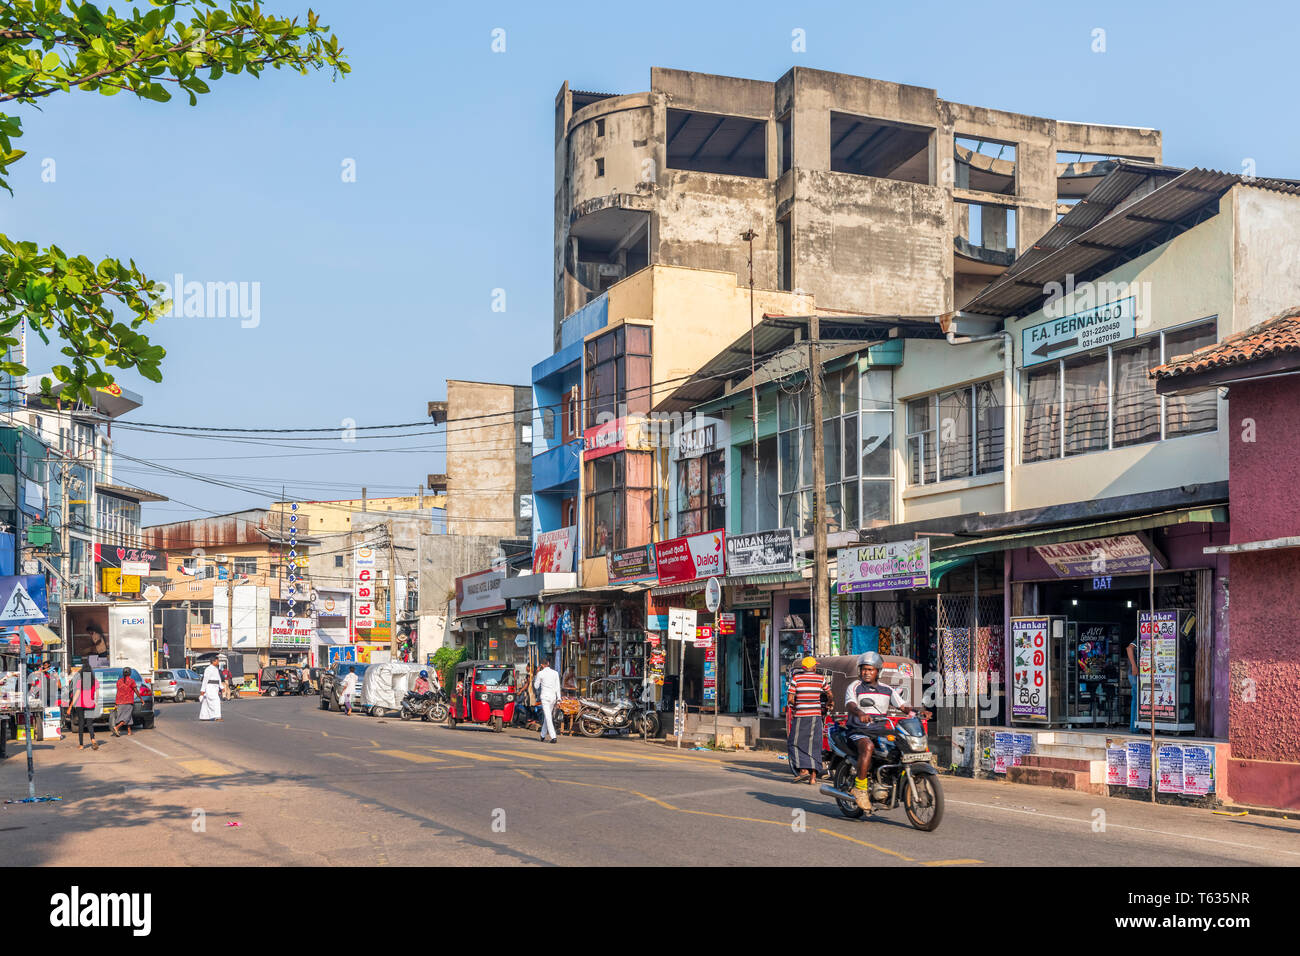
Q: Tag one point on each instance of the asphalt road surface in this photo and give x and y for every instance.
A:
(317, 788)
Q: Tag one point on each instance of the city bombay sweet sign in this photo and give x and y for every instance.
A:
(883, 567)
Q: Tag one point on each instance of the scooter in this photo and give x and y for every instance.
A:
(901, 771)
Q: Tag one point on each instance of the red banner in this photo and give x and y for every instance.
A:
(686, 559)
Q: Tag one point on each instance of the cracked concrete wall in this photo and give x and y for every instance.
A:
(488, 467)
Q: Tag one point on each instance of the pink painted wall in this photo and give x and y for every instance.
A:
(1264, 461)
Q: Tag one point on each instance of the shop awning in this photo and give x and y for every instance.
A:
(744, 581)
(941, 566)
(39, 637)
(590, 595)
(1082, 532)
(1250, 547)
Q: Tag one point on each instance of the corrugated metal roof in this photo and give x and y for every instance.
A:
(1103, 226)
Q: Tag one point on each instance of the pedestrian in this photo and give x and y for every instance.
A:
(83, 696)
(124, 703)
(210, 693)
(804, 697)
(98, 644)
(547, 685)
(228, 682)
(1134, 683)
(348, 690)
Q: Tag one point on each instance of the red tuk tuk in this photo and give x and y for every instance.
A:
(483, 692)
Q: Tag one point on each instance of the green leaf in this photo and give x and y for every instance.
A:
(50, 61)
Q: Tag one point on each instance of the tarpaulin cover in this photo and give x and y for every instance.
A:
(384, 685)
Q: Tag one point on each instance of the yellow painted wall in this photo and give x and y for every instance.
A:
(335, 516)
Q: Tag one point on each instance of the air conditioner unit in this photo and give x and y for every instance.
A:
(221, 558)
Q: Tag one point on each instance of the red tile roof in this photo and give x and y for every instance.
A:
(1278, 335)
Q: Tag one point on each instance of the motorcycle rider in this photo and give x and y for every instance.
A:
(867, 702)
(422, 683)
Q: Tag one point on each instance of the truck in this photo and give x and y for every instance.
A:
(127, 634)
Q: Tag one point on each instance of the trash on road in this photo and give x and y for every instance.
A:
(48, 798)
(233, 823)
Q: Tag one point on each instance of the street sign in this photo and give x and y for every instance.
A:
(22, 600)
(681, 624)
(1056, 338)
(713, 595)
(153, 593)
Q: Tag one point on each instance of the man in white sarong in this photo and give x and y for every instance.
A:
(210, 694)
(348, 691)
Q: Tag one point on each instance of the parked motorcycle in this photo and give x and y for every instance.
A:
(431, 705)
(617, 713)
(901, 771)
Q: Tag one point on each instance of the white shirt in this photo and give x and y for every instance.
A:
(211, 675)
(873, 699)
(349, 685)
(547, 684)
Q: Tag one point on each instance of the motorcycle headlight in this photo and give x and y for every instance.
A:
(510, 697)
(915, 743)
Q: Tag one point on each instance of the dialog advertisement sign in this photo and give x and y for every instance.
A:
(1164, 632)
(1029, 674)
(884, 567)
(685, 559)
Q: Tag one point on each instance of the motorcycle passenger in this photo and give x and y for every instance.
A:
(422, 683)
(867, 702)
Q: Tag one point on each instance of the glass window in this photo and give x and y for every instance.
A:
(1087, 403)
(877, 446)
(616, 382)
(988, 428)
(876, 504)
(850, 448)
(1199, 411)
(831, 450)
(788, 452)
(1137, 406)
(1042, 437)
(849, 392)
(954, 434)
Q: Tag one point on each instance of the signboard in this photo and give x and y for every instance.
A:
(764, 552)
(1003, 752)
(1079, 332)
(1198, 770)
(687, 559)
(1169, 769)
(613, 436)
(632, 564)
(363, 586)
(704, 636)
(763, 697)
(1029, 675)
(22, 599)
(884, 567)
(340, 653)
(113, 581)
(696, 439)
(153, 594)
(1116, 767)
(111, 556)
(727, 623)
(553, 553)
(713, 595)
(1139, 764)
(1165, 634)
(332, 605)
(479, 593)
(1121, 554)
(681, 624)
(295, 633)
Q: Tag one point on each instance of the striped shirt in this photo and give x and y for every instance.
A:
(804, 694)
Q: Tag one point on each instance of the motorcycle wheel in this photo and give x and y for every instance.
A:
(406, 714)
(590, 726)
(927, 810)
(438, 712)
(497, 726)
(845, 778)
(650, 724)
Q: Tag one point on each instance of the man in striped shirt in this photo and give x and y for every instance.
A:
(804, 696)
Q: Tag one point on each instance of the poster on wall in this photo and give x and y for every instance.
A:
(1021, 746)
(1029, 674)
(1169, 769)
(631, 564)
(764, 552)
(762, 673)
(883, 567)
(1198, 770)
(1003, 752)
(680, 560)
(554, 551)
(1116, 767)
(1164, 632)
(1139, 764)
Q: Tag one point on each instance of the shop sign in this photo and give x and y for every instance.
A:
(335, 606)
(727, 623)
(764, 552)
(131, 560)
(696, 439)
(1165, 634)
(479, 593)
(1079, 332)
(604, 439)
(762, 673)
(1029, 687)
(554, 551)
(1139, 764)
(713, 595)
(749, 597)
(631, 564)
(363, 587)
(884, 567)
(687, 559)
(1198, 770)
(1169, 769)
(521, 640)
(117, 581)
(296, 632)
(681, 624)
(1121, 554)
(704, 636)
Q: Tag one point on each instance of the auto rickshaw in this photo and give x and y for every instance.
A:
(483, 692)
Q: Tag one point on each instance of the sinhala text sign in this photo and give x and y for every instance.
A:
(1029, 674)
(884, 567)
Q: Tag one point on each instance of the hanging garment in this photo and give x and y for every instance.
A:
(886, 641)
(866, 638)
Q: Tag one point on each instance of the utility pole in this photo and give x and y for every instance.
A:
(749, 235)
(392, 592)
(821, 586)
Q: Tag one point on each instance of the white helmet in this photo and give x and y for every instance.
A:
(871, 659)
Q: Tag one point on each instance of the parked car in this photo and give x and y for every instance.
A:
(177, 685)
(332, 678)
(142, 711)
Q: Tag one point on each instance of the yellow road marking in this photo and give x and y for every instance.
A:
(407, 755)
(949, 862)
(206, 768)
(523, 754)
(579, 753)
(690, 761)
(374, 743)
(865, 843)
(471, 755)
(668, 806)
(525, 773)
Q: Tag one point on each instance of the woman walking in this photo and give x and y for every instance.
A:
(83, 695)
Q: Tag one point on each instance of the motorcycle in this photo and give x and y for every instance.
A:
(901, 771)
(617, 713)
(431, 705)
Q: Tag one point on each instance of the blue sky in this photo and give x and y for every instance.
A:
(374, 292)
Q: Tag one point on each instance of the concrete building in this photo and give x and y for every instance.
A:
(877, 197)
(335, 516)
(488, 483)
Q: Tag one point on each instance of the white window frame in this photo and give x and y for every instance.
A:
(932, 399)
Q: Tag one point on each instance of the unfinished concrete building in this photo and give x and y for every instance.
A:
(873, 196)
(488, 483)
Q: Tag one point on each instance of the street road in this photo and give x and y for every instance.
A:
(312, 787)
